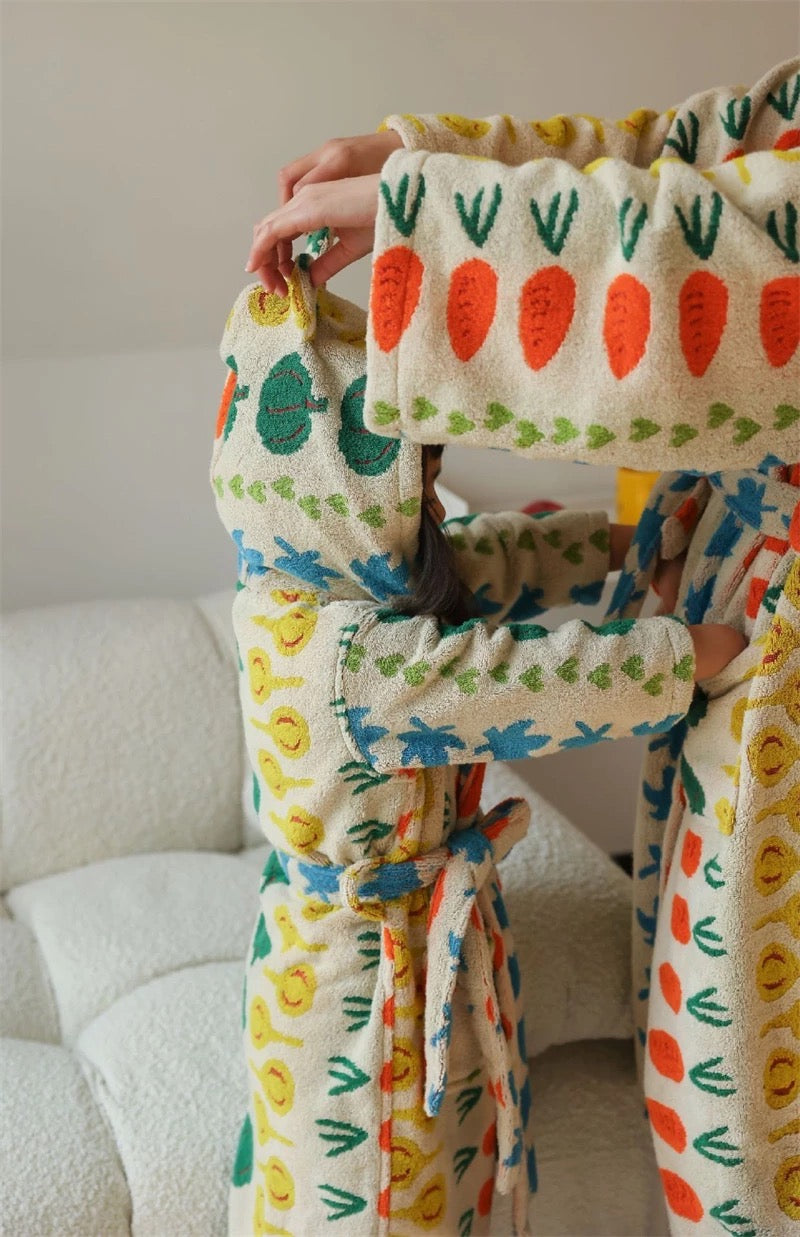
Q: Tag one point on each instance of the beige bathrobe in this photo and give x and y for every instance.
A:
(627, 292)
(382, 1022)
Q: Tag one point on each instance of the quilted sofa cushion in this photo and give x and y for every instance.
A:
(106, 929)
(144, 959)
(121, 735)
(125, 927)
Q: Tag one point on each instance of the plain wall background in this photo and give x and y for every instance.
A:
(140, 144)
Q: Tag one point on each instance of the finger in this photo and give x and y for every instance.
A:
(284, 257)
(292, 173)
(277, 227)
(322, 171)
(272, 281)
(329, 264)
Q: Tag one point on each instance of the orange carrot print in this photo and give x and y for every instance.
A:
(546, 307)
(670, 986)
(471, 303)
(680, 1196)
(665, 1053)
(626, 325)
(692, 850)
(702, 315)
(780, 319)
(679, 922)
(396, 284)
(667, 1124)
(225, 402)
(788, 140)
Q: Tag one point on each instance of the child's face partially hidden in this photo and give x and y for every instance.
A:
(432, 466)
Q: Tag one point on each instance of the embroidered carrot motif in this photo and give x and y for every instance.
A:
(667, 1124)
(626, 324)
(680, 1196)
(471, 305)
(396, 284)
(666, 1055)
(779, 320)
(702, 316)
(546, 307)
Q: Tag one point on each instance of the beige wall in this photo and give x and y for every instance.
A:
(140, 143)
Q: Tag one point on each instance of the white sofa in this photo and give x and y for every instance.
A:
(130, 872)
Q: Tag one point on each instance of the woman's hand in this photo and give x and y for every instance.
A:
(335, 186)
(715, 645)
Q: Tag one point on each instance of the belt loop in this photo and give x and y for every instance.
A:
(349, 883)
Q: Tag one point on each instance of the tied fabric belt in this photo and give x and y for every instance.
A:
(466, 921)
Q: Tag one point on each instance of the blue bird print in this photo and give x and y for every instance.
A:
(657, 727)
(363, 735)
(587, 594)
(527, 606)
(251, 560)
(587, 736)
(653, 868)
(748, 502)
(660, 797)
(683, 481)
(483, 602)
(698, 600)
(625, 593)
(305, 566)
(428, 745)
(512, 743)
(379, 579)
(648, 532)
(648, 923)
(724, 537)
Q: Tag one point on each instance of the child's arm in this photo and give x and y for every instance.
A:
(411, 692)
(517, 566)
(712, 125)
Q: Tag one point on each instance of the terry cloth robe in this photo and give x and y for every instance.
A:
(717, 863)
(692, 224)
(381, 1008)
(626, 293)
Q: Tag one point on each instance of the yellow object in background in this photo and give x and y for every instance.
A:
(633, 490)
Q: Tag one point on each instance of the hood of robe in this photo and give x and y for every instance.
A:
(301, 485)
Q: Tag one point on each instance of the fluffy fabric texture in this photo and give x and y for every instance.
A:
(718, 897)
(683, 355)
(589, 1110)
(615, 292)
(107, 928)
(382, 918)
(60, 1167)
(141, 956)
(88, 711)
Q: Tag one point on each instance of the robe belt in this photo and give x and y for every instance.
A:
(465, 922)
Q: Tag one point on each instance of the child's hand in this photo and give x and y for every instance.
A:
(715, 645)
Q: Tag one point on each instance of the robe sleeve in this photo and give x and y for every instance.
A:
(610, 313)
(412, 693)
(516, 566)
(710, 126)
